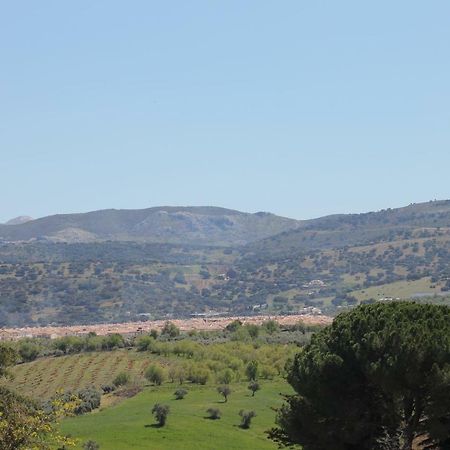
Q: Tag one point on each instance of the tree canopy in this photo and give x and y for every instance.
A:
(377, 378)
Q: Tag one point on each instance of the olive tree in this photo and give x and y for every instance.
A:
(160, 412)
(224, 391)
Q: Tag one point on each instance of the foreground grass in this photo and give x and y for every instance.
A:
(130, 424)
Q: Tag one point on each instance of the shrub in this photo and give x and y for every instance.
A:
(113, 341)
(89, 400)
(233, 326)
(252, 370)
(121, 379)
(246, 418)
(155, 374)
(199, 375)
(107, 388)
(170, 330)
(160, 412)
(143, 343)
(180, 394)
(214, 413)
(271, 326)
(254, 386)
(28, 351)
(225, 377)
(91, 445)
(224, 391)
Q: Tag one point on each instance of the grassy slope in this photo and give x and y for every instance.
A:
(399, 289)
(129, 424)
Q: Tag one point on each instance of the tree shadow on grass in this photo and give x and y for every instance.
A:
(153, 425)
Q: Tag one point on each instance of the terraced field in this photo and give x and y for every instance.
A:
(43, 377)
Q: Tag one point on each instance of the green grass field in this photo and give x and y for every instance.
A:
(130, 424)
(399, 289)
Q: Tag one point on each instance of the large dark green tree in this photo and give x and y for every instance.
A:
(377, 378)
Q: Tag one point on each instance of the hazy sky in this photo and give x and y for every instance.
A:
(302, 108)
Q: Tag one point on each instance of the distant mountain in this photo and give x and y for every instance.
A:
(176, 225)
(122, 265)
(341, 230)
(18, 220)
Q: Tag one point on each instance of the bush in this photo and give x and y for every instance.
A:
(271, 326)
(143, 343)
(160, 412)
(155, 374)
(89, 400)
(91, 445)
(107, 388)
(214, 413)
(234, 326)
(225, 377)
(224, 391)
(113, 341)
(199, 375)
(170, 330)
(28, 351)
(180, 394)
(252, 370)
(246, 418)
(121, 379)
(254, 386)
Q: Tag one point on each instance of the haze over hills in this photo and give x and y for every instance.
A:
(195, 225)
(120, 265)
(341, 230)
(18, 220)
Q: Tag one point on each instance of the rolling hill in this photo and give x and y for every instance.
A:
(180, 225)
(173, 262)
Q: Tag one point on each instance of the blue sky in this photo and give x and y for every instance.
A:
(302, 108)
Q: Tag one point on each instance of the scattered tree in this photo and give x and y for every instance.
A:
(254, 386)
(271, 326)
(160, 412)
(224, 391)
(155, 374)
(121, 379)
(252, 370)
(170, 330)
(180, 394)
(91, 445)
(233, 326)
(246, 418)
(214, 413)
(225, 377)
(154, 333)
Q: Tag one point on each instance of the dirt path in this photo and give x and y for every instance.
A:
(216, 323)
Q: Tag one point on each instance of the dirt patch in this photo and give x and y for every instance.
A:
(216, 323)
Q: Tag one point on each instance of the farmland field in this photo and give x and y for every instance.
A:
(43, 377)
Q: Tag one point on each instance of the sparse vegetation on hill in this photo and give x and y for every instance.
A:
(310, 269)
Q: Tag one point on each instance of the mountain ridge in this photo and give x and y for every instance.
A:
(203, 225)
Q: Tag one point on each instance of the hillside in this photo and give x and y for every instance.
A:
(337, 231)
(327, 264)
(180, 225)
